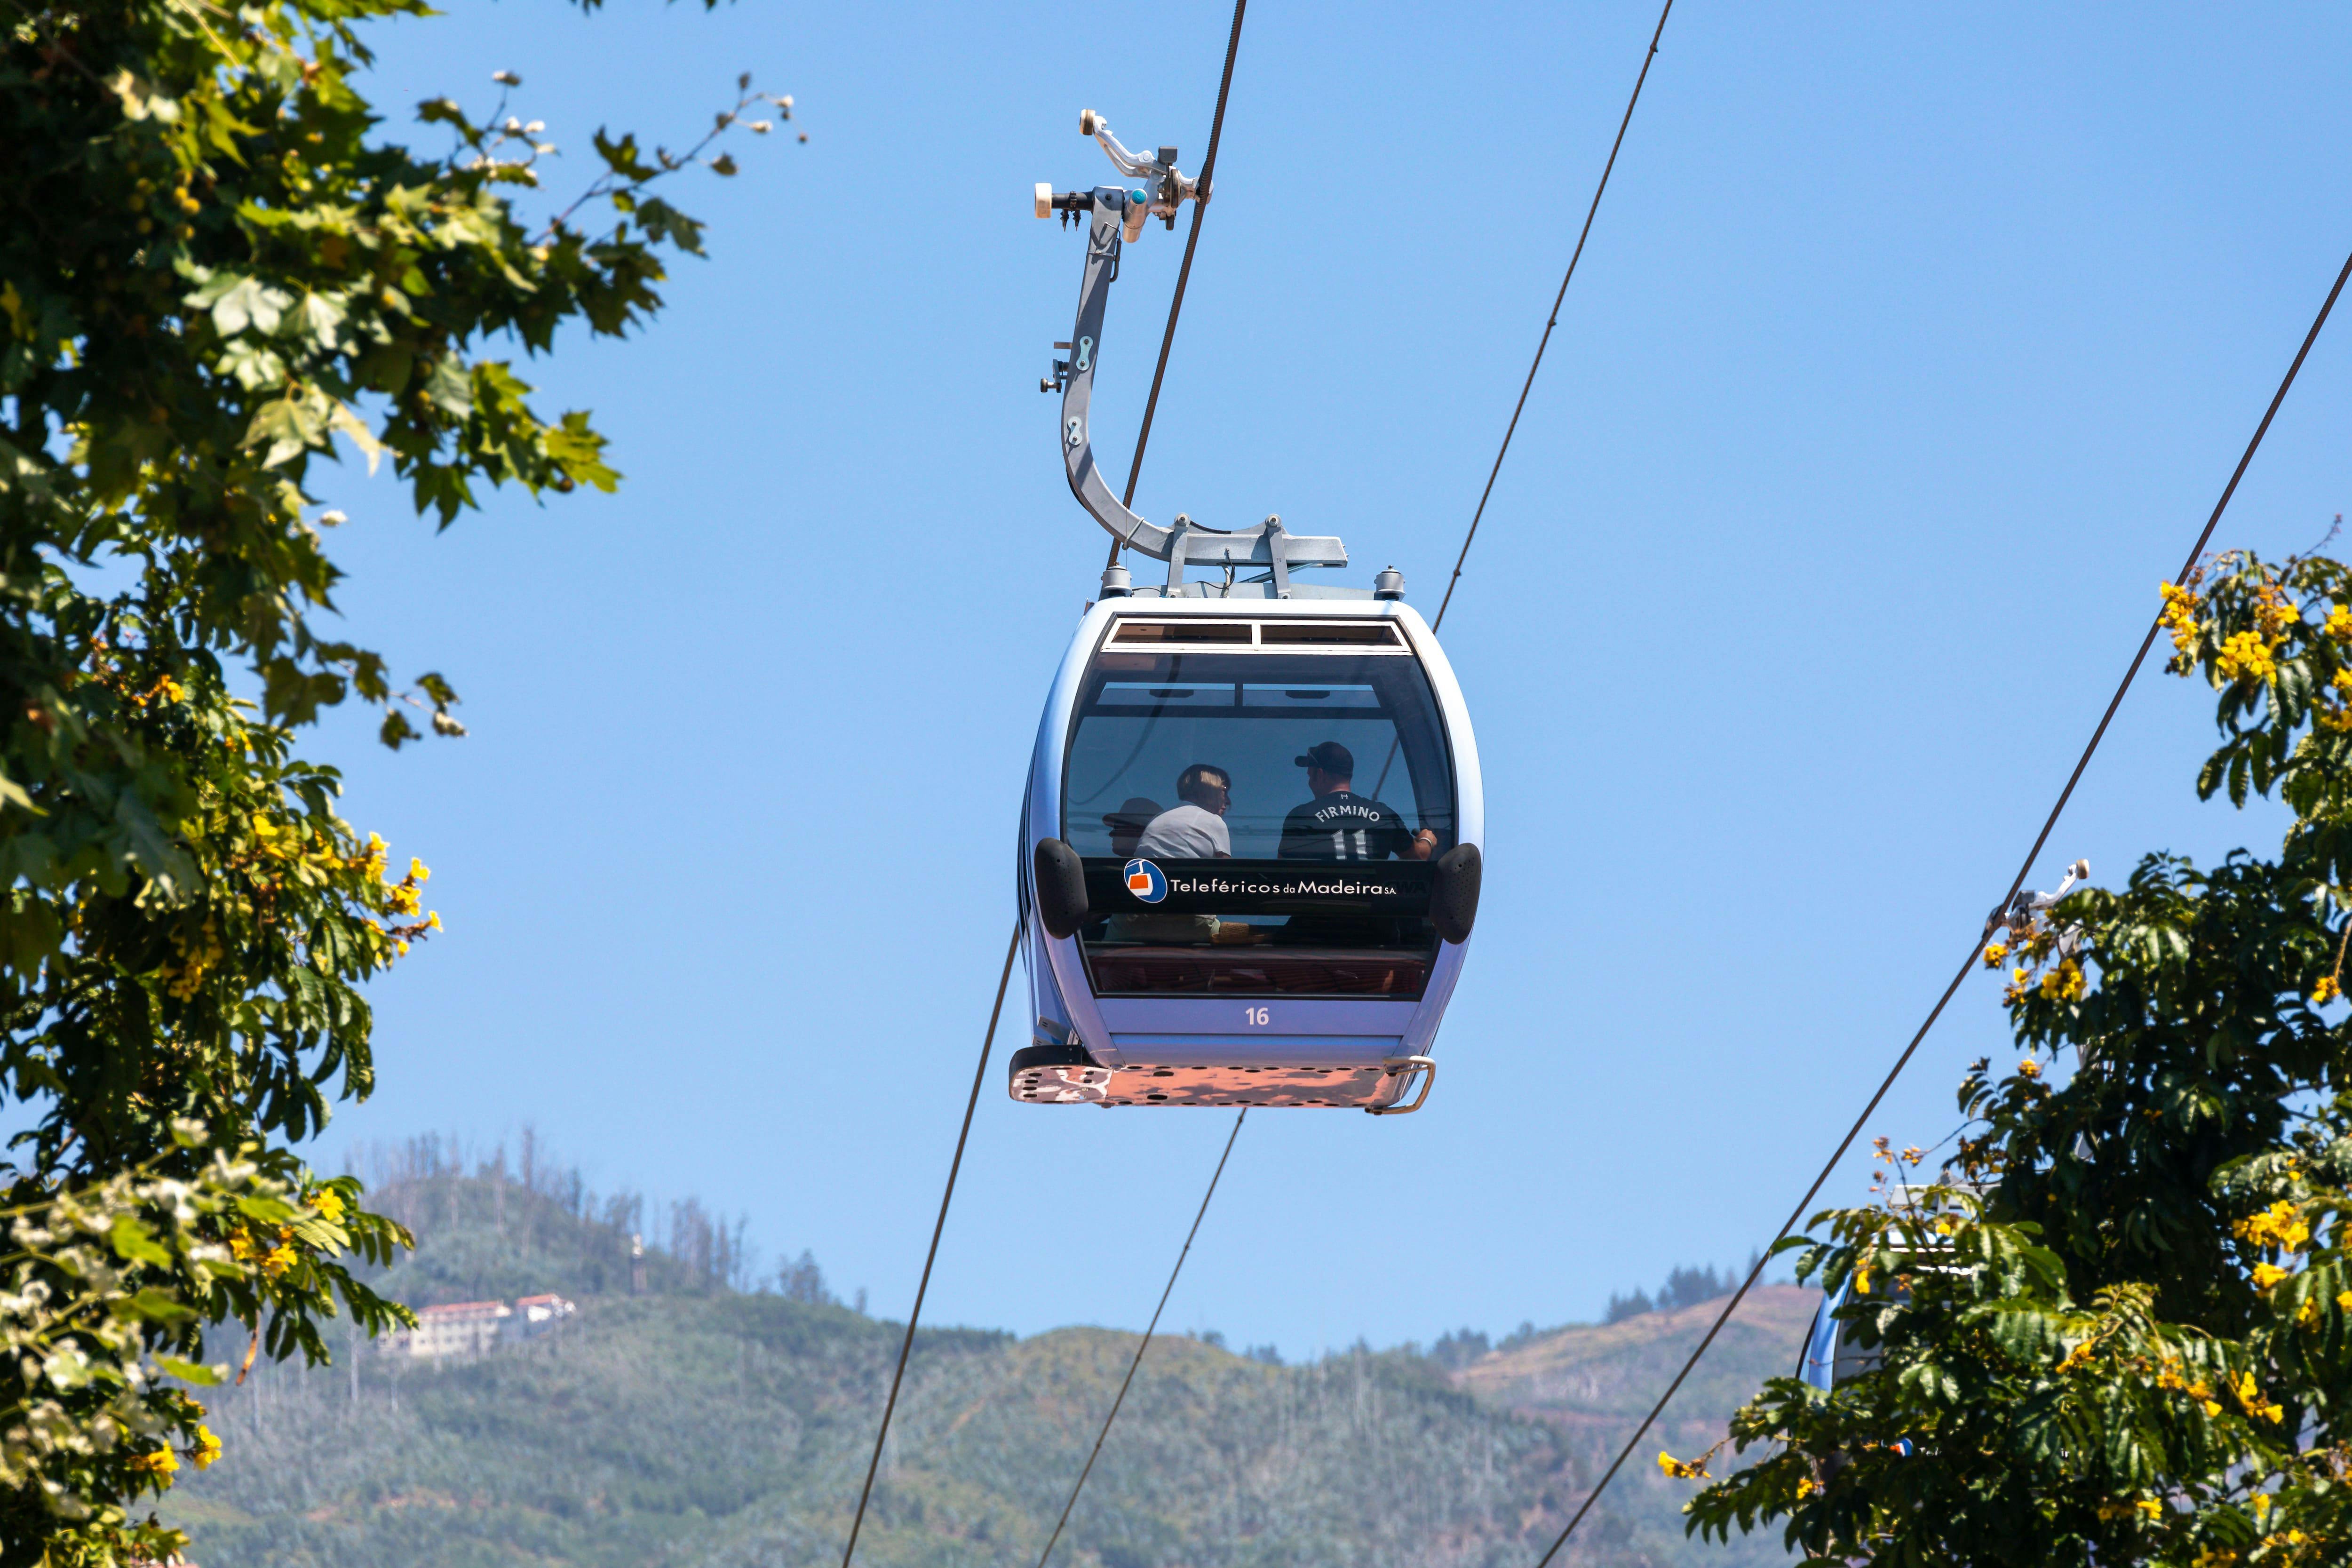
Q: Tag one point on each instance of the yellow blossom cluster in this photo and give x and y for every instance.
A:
(2063, 983)
(2028, 1068)
(2338, 624)
(2245, 655)
(2275, 613)
(2179, 617)
(1684, 1469)
(160, 1463)
(2250, 1398)
(275, 1254)
(207, 1448)
(2328, 990)
(2336, 714)
(2281, 1225)
(2169, 1376)
(1994, 953)
(2146, 1508)
(329, 1205)
(194, 957)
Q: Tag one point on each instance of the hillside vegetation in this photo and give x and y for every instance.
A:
(704, 1424)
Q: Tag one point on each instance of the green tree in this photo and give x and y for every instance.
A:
(212, 263)
(2118, 1330)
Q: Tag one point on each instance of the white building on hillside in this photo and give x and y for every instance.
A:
(471, 1328)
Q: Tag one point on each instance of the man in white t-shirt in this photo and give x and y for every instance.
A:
(1194, 829)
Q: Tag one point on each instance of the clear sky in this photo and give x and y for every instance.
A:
(1913, 344)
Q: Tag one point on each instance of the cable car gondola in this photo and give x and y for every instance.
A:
(1250, 845)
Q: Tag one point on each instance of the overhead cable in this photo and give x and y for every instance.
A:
(1144, 1343)
(1184, 269)
(1541, 343)
(1553, 320)
(906, 1346)
(1968, 964)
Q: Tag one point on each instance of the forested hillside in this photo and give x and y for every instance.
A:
(705, 1421)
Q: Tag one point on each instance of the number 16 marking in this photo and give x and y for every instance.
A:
(1255, 1015)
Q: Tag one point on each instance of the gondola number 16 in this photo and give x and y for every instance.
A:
(1254, 1014)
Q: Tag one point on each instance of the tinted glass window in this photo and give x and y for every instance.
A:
(1216, 863)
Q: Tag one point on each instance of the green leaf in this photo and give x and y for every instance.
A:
(135, 1243)
(192, 1372)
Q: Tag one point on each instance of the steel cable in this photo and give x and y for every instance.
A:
(1144, 1343)
(1797, 1214)
(1184, 269)
(1541, 343)
(1545, 341)
(907, 1346)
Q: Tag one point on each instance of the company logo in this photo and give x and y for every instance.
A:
(1146, 882)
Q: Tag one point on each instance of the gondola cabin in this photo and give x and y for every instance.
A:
(1250, 856)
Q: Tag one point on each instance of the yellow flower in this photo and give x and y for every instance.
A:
(328, 1204)
(1807, 1486)
(2281, 1225)
(168, 689)
(241, 1246)
(2339, 623)
(2344, 1301)
(2064, 982)
(2308, 1313)
(2080, 1356)
(432, 920)
(2244, 654)
(418, 870)
(2267, 1275)
(207, 1448)
(2212, 1407)
(278, 1259)
(2326, 991)
(1862, 1279)
(158, 1462)
(1681, 1469)
(403, 947)
(1994, 953)
(2028, 1068)
(2150, 1507)
(401, 898)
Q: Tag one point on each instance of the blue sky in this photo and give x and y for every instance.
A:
(1912, 346)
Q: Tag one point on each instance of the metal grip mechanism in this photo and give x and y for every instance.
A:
(1115, 217)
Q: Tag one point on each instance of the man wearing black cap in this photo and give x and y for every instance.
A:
(1340, 824)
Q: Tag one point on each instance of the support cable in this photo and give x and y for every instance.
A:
(1536, 364)
(907, 1346)
(1144, 1343)
(1184, 271)
(1545, 341)
(1797, 1214)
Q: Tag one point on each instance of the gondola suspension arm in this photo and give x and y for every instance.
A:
(1115, 217)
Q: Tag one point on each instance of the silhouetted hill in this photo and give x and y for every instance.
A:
(703, 1426)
